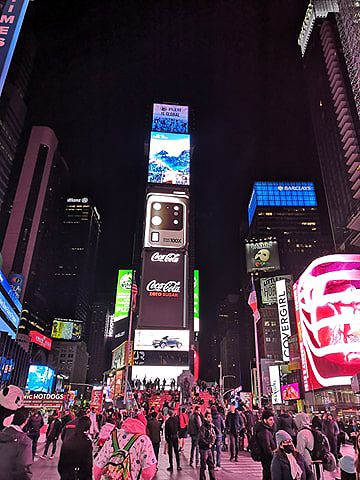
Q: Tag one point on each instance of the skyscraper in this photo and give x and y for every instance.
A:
(329, 41)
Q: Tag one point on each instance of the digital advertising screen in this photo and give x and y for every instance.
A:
(170, 118)
(290, 391)
(152, 372)
(161, 357)
(123, 295)
(163, 290)
(262, 256)
(196, 301)
(40, 379)
(268, 288)
(66, 330)
(327, 304)
(40, 339)
(169, 158)
(161, 340)
(10, 308)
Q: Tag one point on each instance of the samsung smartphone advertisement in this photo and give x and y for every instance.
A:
(161, 340)
(166, 221)
(327, 303)
(123, 294)
(163, 291)
(169, 158)
(262, 256)
(66, 330)
(170, 118)
(40, 379)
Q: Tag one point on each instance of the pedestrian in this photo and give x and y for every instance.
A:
(33, 428)
(184, 421)
(94, 429)
(219, 427)
(75, 462)
(305, 437)
(265, 439)
(69, 428)
(347, 468)
(132, 438)
(105, 431)
(195, 423)
(153, 430)
(16, 449)
(288, 463)
(331, 431)
(233, 426)
(52, 435)
(286, 422)
(172, 426)
(207, 439)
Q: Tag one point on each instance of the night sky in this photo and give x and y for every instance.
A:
(101, 65)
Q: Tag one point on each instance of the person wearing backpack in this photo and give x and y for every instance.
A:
(288, 463)
(305, 437)
(127, 454)
(195, 423)
(264, 437)
(207, 439)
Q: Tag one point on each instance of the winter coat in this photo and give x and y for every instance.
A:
(305, 444)
(53, 430)
(76, 453)
(330, 429)
(207, 436)
(233, 422)
(142, 454)
(172, 426)
(34, 424)
(194, 424)
(287, 423)
(218, 422)
(266, 440)
(15, 454)
(280, 467)
(105, 433)
(68, 430)
(153, 430)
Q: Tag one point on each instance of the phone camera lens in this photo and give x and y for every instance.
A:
(156, 220)
(157, 206)
(176, 208)
(176, 222)
(176, 214)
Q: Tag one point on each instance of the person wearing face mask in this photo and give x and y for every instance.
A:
(288, 463)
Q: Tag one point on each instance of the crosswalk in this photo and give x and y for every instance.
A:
(246, 467)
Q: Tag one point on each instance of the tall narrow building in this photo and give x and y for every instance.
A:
(330, 42)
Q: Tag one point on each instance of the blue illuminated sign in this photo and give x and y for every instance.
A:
(40, 379)
(11, 19)
(10, 308)
(281, 194)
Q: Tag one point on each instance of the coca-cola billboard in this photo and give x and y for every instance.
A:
(163, 290)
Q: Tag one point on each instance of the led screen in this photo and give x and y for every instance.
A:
(123, 293)
(169, 158)
(268, 288)
(64, 330)
(161, 340)
(281, 194)
(40, 379)
(290, 391)
(327, 303)
(10, 308)
(152, 372)
(196, 301)
(170, 118)
(262, 256)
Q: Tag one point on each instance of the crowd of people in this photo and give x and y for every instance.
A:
(126, 443)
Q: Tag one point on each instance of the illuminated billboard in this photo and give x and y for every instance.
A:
(284, 318)
(40, 339)
(66, 330)
(161, 357)
(163, 290)
(262, 256)
(281, 194)
(152, 372)
(40, 379)
(166, 221)
(10, 308)
(274, 372)
(196, 302)
(169, 158)
(170, 118)
(123, 294)
(290, 391)
(162, 340)
(268, 288)
(327, 304)
(11, 19)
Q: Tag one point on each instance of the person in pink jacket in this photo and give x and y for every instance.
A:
(142, 456)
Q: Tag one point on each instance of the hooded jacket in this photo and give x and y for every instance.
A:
(287, 423)
(266, 440)
(280, 467)
(15, 454)
(143, 460)
(76, 452)
(218, 422)
(305, 437)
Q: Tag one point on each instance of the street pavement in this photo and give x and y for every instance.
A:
(245, 468)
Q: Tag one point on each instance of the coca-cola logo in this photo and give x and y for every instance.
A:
(165, 258)
(163, 289)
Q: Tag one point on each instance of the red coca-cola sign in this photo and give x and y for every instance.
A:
(40, 339)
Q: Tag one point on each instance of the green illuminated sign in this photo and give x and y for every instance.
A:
(123, 294)
(196, 302)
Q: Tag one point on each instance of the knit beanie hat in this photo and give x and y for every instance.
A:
(347, 464)
(282, 436)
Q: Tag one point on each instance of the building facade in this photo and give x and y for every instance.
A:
(70, 359)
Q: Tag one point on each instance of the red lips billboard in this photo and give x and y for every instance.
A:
(327, 303)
